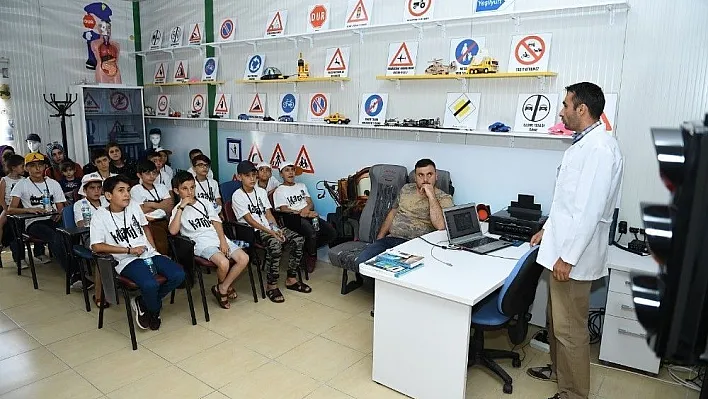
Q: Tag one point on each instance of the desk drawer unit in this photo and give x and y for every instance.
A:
(620, 282)
(624, 342)
(620, 305)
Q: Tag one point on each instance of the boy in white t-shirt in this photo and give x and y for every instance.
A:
(29, 192)
(294, 198)
(120, 230)
(193, 153)
(15, 167)
(196, 219)
(250, 205)
(266, 180)
(155, 201)
(206, 189)
(162, 175)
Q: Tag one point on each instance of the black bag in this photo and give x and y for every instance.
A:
(347, 228)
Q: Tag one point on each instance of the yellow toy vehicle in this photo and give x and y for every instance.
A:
(487, 65)
(303, 68)
(337, 118)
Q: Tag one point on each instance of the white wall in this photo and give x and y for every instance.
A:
(654, 56)
(42, 40)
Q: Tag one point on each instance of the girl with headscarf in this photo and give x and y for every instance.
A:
(56, 155)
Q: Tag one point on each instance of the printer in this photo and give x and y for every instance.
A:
(520, 221)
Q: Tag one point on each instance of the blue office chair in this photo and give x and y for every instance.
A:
(79, 254)
(507, 308)
(227, 190)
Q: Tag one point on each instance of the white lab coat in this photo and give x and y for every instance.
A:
(584, 200)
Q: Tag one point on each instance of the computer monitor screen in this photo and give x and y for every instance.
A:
(462, 221)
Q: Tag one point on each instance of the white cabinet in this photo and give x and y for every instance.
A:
(107, 113)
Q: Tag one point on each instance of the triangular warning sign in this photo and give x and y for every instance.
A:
(256, 105)
(278, 157)
(336, 64)
(179, 73)
(90, 104)
(276, 25)
(303, 161)
(255, 152)
(160, 74)
(222, 106)
(196, 36)
(117, 127)
(402, 57)
(359, 14)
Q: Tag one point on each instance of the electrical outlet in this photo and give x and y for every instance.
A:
(634, 230)
(622, 227)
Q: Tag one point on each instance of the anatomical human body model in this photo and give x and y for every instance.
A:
(104, 50)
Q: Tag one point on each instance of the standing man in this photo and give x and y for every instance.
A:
(574, 239)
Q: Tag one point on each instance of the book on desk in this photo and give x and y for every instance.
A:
(396, 263)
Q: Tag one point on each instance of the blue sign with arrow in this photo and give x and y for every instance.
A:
(255, 63)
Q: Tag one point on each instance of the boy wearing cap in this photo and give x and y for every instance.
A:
(29, 192)
(250, 205)
(92, 191)
(193, 153)
(294, 198)
(206, 189)
(266, 180)
(155, 201)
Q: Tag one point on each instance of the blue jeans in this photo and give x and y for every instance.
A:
(378, 246)
(151, 291)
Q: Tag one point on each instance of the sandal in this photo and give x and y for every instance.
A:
(100, 304)
(275, 295)
(232, 294)
(222, 299)
(299, 287)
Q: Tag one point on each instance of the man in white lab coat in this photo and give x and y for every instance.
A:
(574, 240)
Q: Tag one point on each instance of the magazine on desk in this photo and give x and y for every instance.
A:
(396, 263)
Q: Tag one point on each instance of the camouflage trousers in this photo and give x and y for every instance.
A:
(274, 250)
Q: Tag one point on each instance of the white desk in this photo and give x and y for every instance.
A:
(422, 323)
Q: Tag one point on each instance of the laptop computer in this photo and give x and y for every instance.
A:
(464, 232)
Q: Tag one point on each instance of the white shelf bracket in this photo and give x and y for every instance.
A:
(254, 45)
(542, 83)
(463, 82)
(398, 84)
(341, 85)
(512, 143)
(160, 87)
(171, 53)
(294, 87)
(443, 29)
(517, 22)
(309, 39)
(439, 138)
(294, 41)
(612, 12)
(420, 30)
(361, 35)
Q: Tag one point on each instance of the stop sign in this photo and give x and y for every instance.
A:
(318, 16)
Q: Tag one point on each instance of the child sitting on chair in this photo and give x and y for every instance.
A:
(155, 201)
(120, 230)
(15, 167)
(207, 188)
(69, 182)
(196, 219)
(92, 192)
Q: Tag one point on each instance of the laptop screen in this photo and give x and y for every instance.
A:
(461, 221)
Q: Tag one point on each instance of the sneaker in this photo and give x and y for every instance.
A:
(142, 318)
(76, 283)
(24, 264)
(544, 373)
(155, 322)
(556, 396)
(43, 259)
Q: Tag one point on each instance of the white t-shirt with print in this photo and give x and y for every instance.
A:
(196, 224)
(122, 229)
(210, 174)
(157, 193)
(256, 203)
(79, 216)
(294, 197)
(30, 194)
(208, 190)
(9, 185)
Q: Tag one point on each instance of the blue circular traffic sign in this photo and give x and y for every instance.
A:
(373, 105)
(227, 27)
(254, 64)
(465, 50)
(209, 66)
(288, 104)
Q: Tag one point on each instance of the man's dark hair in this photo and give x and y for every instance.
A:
(14, 160)
(110, 184)
(201, 157)
(66, 165)
(152, 154)
(145, 165)
(424, 162)
(589, 94)
(181, 177)
(98, 153)
(194, 152)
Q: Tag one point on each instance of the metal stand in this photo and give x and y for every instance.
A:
(61, 107)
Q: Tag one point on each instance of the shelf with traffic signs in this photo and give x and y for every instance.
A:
(609, 7)
(213, 83)
(497, 75)
(297, 80)
(168, 50)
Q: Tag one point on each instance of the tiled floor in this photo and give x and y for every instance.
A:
(314, 346)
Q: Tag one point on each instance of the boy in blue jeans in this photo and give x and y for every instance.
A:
(121, 230)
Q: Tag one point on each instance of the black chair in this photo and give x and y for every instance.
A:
(25, 241)
(109, 278)
(183, 251)
(508, 308)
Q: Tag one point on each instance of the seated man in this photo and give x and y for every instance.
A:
(417, 211)
(155, 201)
(121, 230)
(293, 198)
(250, 205)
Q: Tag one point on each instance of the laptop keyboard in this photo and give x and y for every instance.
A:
(478, 243)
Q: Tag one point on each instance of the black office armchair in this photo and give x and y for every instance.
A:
(507, 308)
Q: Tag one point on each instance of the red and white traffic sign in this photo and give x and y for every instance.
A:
(303, 161)
(318, 17)
(358, 13)
(276, 23)
(197, 104)
(418, 10)
(338, 62)
(318, 107)
(531, 53)
(278, 157)
(163, 105)
(255, 155)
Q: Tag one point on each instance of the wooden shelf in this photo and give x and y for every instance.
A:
(498, 75)
(296, 80)
(217, 82)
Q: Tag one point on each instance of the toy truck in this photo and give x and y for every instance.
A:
(487, 65)
(337, 118)
(303, 68)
